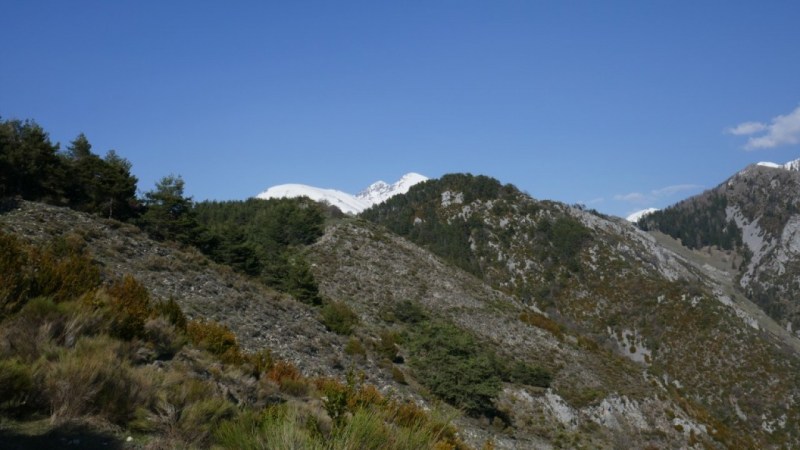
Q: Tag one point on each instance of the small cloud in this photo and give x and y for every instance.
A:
(593, 201)
(674, 189)
(782, 130)
(633, 197)
(746, 128)
(656, 194)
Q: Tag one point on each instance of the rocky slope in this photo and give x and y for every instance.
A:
(760, 206)
(261, 317)
(614, 284)
(645, 348)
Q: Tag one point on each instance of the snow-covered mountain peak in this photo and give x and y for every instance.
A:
(380, 191)
(634, 217)
(791, 165)
(342, 200)
(377, 192)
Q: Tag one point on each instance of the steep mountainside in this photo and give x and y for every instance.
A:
(756, 214)
(604, 279)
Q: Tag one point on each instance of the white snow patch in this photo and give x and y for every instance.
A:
(381, 191)
(342, 200)
(350, 204)
(634, 217)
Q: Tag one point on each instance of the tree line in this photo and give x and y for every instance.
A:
(260, 238)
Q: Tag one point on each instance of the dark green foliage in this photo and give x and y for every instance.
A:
(131, 306)
(697, 224)
(265, 238)
(415, 215)
(29, 163)
(31, 167)
(409, 312)
(562, 241)
(268, 224)
(339, 318)
(168, 213)
(454, 366)
(519, 372)
(300, 283)
(423, 217)
(100, 186)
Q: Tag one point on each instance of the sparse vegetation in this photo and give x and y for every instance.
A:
(66, 360)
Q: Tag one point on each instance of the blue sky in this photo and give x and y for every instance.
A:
(618, 105)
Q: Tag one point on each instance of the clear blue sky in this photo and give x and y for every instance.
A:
(619, 105)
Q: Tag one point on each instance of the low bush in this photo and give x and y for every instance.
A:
(92, 379)
(339, 318)
(217, 339)
(455, 367)
(543, 322)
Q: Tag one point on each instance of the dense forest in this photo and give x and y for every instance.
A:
(697, 224)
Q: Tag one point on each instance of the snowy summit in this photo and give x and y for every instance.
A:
(791, 165)
(376, 193)
(634, 217)
(380, 191)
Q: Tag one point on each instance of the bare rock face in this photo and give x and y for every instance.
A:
(761, 207)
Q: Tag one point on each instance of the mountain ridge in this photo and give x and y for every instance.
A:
(374, 194)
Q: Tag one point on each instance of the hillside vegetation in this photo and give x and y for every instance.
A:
(755, 214)
(610, 283)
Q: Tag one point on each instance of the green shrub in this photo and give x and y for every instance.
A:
(519, 372)
(173, 312)
(543, 322)
(216, 338)
(165, 340)
(198, 419)
(339, 318)
(453, 365)
(387, 346)
(59, 271)
(398, 376)
(354, 347)
(131, 302)
(281, 427)
(410, 312)
(364, 430)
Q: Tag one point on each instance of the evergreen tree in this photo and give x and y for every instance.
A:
(100, 186)
(29, 164)
(168, 214)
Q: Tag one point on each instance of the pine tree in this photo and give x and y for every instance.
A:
(168, 214)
